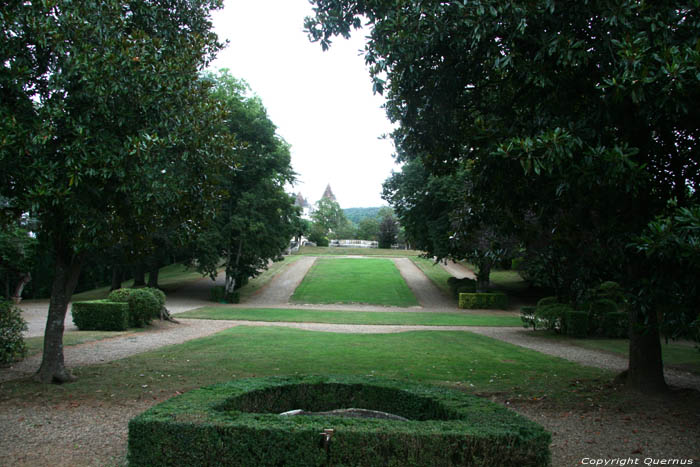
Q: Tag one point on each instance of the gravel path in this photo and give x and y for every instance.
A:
(282, 286)
(427, 293)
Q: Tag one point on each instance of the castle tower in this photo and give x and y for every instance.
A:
(329, 193)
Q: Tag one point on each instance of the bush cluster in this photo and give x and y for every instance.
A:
(12, 325)
(218, 294)
(463, 285)
(101, 315)
(483, 301)
(601, 315)
(144, 304)
(239, 424)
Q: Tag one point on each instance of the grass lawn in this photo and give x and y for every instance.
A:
(349, 280)
(169, 278)
(258, 282)
(678, 354)
(353, 317)
(435, 272)
(462, 359)
(328, 251)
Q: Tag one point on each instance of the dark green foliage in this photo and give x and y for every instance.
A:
(575, 323)
(158, 294)
(144, 306)
(238, 424)
(527, 315)
(597, 311)
(218, 294)
(463, 285)
(550, 316)
(616, 324)
(101, 315)
(483, 301)
(547, 301)
(357, 215)
(12, 325)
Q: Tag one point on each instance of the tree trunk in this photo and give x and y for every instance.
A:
(153, 276)
(23, 281)
(116, 278)
(53, 369)
(646, 368)
(232, 270)
(483, 276)
(139, 275)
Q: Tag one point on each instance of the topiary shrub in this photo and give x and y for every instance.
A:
(575, 323)
(240, 424)
(100, 315)
(488, 301)
(143, 307)
(547, 301)
(550, 316)
(597, 311)
(160, 296)
(616, 324)
(527, 316)
(12, 325)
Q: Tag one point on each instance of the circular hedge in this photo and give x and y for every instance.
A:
(240, 423)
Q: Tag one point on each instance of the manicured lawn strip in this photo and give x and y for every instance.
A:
(350, 280)
(258, 282)
(169, 278)
(506, 281)
(683, 354)
(462, 359)
(435, 272)
(352, 317)
(328, 251)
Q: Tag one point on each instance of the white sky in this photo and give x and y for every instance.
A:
(321, 102)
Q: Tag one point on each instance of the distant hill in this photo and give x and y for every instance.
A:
(355, 215)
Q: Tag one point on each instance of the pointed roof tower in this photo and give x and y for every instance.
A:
(329, 193)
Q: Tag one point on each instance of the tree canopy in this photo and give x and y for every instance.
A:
(100, 109)
(573, 120)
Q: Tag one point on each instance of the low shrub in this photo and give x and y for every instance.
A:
(159, 294)
(550, 316)
(144, 306)
(596, 313)
(12, 325)
(575, 323)
(463, 285)
(100, 315)
(239, 424)
(616, 324)
(218, 294)
(527, 315)
(547, 301)
(486, 301)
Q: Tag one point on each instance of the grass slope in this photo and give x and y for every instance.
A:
(435, 272)
(353, 317)
(342, 280)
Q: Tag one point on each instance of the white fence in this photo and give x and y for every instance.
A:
(353, 244)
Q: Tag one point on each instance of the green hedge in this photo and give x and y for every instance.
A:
(100, 315)
(144, 305)
(471, 301)
(575, 323)
(238, 424)
(550, 316)
(616, 324)
(527, 315)
(12, 325)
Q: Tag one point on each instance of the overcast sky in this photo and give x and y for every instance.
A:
(321, 102)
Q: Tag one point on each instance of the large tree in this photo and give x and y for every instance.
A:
(577, 119)
(256, 218)
(95, 110)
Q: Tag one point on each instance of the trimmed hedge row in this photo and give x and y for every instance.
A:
(100, 315)
(218, 294)
(12, 325)
(144, 305)
(492, 301)
(239, 424)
